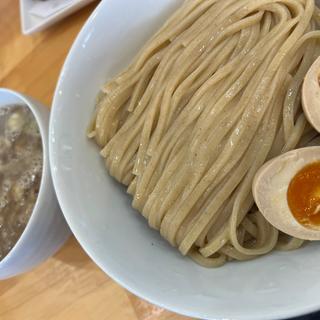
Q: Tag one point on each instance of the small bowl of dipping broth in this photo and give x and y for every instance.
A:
(32, 227)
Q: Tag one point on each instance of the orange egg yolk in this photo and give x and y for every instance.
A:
(303, 196)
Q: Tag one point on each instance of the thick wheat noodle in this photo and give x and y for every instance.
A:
(145, 175)
(252, 160)
(209, 98)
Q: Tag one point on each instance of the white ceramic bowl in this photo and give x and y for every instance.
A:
(46, 230)
(277, 286)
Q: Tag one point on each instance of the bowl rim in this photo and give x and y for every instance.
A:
(22, 240)
(290, 313)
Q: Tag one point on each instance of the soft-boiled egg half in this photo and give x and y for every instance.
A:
(287, 188)
(287, 192)
(311, 95)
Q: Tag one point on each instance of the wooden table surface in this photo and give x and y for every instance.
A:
(69, 285)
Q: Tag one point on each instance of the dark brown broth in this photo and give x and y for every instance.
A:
(20, 172)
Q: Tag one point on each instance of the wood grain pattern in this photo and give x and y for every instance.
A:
(68, 286)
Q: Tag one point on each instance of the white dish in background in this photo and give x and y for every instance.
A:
(31, 23)
(46, 230)
(278, 286)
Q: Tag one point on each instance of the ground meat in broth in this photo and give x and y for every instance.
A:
(20, 172)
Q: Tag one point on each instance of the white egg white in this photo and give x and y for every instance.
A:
(311, 95)
(270, 188)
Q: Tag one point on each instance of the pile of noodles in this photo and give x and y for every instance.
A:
(211, 97)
